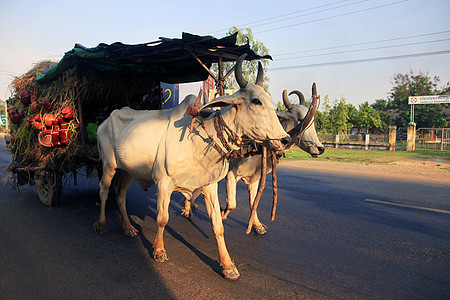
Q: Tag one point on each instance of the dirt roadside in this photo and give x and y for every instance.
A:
(404, 170)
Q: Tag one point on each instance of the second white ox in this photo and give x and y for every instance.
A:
(156, 147)
(298, 121)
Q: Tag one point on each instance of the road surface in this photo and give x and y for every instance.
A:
(335, 236)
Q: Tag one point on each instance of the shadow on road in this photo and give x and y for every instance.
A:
(143, 207)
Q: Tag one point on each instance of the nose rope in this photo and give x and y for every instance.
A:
(220, 123)
(221, 127)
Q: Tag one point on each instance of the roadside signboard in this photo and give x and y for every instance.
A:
(413, 100)
(3, 120)
(428, 99)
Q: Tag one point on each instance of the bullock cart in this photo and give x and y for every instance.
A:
(56, 107)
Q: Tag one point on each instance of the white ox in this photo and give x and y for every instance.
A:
(298, 121)
(156, 147)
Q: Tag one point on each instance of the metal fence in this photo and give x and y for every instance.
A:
(355, 141)
(437, 139)
(432, 139)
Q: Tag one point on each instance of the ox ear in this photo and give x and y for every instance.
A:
(222, 102)
(282, 115)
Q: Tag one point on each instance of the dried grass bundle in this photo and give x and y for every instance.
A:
(99, 93)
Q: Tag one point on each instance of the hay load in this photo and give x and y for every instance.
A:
(46, 117)
(37, 118)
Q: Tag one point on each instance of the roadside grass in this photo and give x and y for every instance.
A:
(368, 156)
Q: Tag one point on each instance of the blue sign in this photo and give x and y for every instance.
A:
(2, 120)
(170, 94)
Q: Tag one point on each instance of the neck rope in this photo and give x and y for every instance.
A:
(221, 128)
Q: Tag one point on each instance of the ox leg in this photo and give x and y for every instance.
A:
(213, 208)
(231, 182)
(189, 204)
(105, 183)
(187, 211)
(162, 218)
(258, 227)
(124, 184)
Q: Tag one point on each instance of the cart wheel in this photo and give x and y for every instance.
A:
(49, 187)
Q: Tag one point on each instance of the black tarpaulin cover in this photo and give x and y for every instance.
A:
(168, 60)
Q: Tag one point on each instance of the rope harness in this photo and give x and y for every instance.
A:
(222, 129)
(244, 149)
(221, 126)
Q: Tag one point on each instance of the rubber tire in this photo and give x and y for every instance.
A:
(49, 187)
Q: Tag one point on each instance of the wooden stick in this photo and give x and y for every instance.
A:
(274, 185)
(262, 184)
(27, 169)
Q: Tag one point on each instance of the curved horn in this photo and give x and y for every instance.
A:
(301, 98)
(238, 72)
(306, 122)
(260, 76)
(286, 101)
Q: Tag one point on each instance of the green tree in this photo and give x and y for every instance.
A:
(382, 107)
(426, 115)
(352, 116)
(321, 120)
(339, 116)
(369, 118)
(281, 107)
(249, 68)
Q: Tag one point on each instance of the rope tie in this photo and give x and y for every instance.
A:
(220, 123)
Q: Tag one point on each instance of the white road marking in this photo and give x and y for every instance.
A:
(409, 206)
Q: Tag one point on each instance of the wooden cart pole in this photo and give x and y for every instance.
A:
(80, 118)
(221, 80)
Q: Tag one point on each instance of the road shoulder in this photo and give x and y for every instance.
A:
(404, 170)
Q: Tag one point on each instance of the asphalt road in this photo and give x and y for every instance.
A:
(332, 238)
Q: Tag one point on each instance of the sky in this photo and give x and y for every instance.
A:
(351, 48)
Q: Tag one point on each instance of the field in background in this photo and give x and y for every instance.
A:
(370, 156)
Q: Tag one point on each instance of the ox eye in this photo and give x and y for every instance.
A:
(256, 102)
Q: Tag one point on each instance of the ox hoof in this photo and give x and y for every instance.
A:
(131, 232)
(187, 213)
(98, 228)
(160, 256)
(224, 213)
(260, 229)
(231, 273)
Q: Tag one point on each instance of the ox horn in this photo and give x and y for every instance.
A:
(309, 115)
(286, 101)
(260, 76)
(238, 72)
(301, 98)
